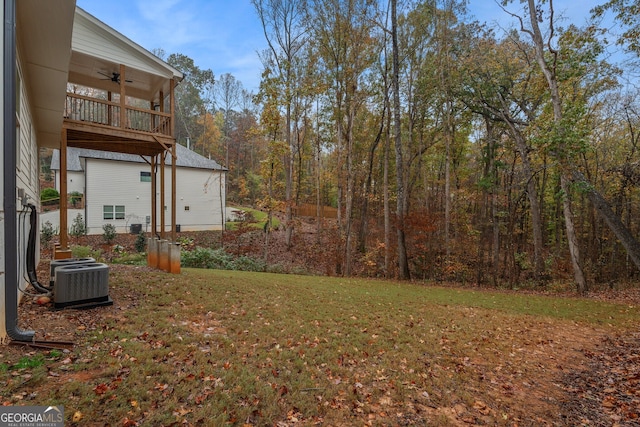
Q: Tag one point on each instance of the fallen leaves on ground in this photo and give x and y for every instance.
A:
(607, 393)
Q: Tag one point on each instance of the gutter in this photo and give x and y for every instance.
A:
(9, 165)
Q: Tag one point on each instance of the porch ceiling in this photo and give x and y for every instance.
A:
(96, 72)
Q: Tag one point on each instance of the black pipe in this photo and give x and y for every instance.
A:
(9, 165)
(31, 251)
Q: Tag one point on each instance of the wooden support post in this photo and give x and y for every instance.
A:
(172, 106)
(162, 201)
(174, 158)
(109, 109)
(172, 110)
(123, 103)
(154, 197)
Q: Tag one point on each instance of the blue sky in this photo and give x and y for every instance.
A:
(226, 36)
(222, 35)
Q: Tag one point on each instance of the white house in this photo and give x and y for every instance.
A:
(47, 45)
(117, 190)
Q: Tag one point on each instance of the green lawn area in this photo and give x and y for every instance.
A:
(210, 347)
(259, 217)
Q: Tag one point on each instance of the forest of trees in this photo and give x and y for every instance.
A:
(451, 149)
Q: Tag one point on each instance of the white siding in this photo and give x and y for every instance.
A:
(26, 169)
(116, 183)
(27, 149)
(97, 42)
(54, 218)
(201, 190)
(75, 181)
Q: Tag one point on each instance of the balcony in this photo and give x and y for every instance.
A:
(103, 124)
(109, 114)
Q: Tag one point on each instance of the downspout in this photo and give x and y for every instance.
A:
(9, 164)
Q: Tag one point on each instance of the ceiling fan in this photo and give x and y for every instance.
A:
(114, 77)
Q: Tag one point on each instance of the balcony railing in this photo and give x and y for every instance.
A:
(107, 113)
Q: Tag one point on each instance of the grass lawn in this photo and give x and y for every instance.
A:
(222, 348)
(259, 216)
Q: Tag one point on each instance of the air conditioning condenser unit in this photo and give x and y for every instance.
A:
(81, 286)
(56, 263)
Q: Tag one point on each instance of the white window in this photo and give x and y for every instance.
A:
(110, 212)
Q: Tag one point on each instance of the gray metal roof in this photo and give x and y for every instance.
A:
(186, 158)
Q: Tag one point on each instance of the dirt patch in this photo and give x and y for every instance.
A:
(607, 391)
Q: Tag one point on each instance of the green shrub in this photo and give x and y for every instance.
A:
(78, 251)
(76, 196)
(49, 196)
(184, 242)
(245, 263)
(131, 259)
(218, 259)
(109, 233)
(141, 242)
(47, 232)
(207, 258)
(77, 227)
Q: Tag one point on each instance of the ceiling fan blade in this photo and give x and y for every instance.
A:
(114, 77)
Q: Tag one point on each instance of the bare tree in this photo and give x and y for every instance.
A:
(228, 95)
(282, 22)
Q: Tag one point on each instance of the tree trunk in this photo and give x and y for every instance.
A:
(403, 263)
(611, 219)
(289, 163)
(447, 186)
(319, 217)
(387, 208)
(340, 191)
(362, 233)
(532, 195)
(349, 196)
(572, 239)
(556, 101)
(496, 238)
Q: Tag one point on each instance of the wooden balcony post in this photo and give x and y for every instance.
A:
(123, 103)
(172, 106)
(162, 201)
(174, 159)
(154, 197)
(109, 110)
